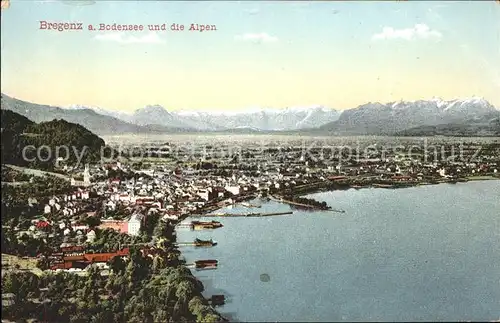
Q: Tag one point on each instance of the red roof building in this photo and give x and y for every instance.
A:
(42, 225)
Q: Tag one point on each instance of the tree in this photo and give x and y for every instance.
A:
(210, 318)
(117, 264)
(92, 221)
(158, 263)
(185, 290)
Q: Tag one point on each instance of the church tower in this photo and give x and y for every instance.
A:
(86, 175)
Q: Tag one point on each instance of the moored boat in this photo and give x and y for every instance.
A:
(209, 263)
(204, 243)
(206, 224)
(217, 300)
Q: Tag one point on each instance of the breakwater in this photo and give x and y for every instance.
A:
(233, 215)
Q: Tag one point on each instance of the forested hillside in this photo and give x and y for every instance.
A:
(26, 143)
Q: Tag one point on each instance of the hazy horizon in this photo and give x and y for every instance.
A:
(269, 55)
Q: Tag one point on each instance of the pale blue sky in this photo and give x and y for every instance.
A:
(272, 54)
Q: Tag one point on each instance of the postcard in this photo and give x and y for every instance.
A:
(252, 161)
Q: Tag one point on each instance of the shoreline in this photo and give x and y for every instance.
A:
(239, 309)
(346, 184)
(212, 207)
(319, 189)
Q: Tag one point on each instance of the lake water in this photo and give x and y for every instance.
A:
(429, 253)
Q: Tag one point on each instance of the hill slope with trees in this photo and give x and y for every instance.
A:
(44, 142)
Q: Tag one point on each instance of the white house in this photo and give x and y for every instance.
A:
(32, 201)
(204, 194)
(80, 227)
(170, 217)
(46, 209)
(134, 224)
(124, 197)
(111, 205)
(91, 236)
(233, 189)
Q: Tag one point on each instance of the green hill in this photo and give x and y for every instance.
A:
(14, 121)
(26, 143)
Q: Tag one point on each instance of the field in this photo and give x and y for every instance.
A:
(213, 138)
(14, 262)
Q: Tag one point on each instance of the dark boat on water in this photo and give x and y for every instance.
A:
(217, 300)
(209, 263)
(206, 224)
(204, 243)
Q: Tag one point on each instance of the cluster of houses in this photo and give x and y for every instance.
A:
(124, 203)
(61, 214)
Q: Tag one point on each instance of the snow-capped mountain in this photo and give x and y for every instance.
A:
(152, 114)
(262, 119)
(378, 118)
(369, 118)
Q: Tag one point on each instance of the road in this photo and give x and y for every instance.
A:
(36, 172)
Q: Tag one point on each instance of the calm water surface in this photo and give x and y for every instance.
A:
(423, 253)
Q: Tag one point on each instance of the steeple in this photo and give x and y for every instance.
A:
(86, 175)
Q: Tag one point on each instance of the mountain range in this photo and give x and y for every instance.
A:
(96, 122)
(259, 119)
(486, 125)
(395, 117)
(367, 119)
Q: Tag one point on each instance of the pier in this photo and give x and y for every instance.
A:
(194, 244)
(234, 215)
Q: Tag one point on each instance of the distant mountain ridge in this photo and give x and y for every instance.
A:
(367, 119)
(486, 125)
(394, 117)
(88, 118)
(259, 119)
